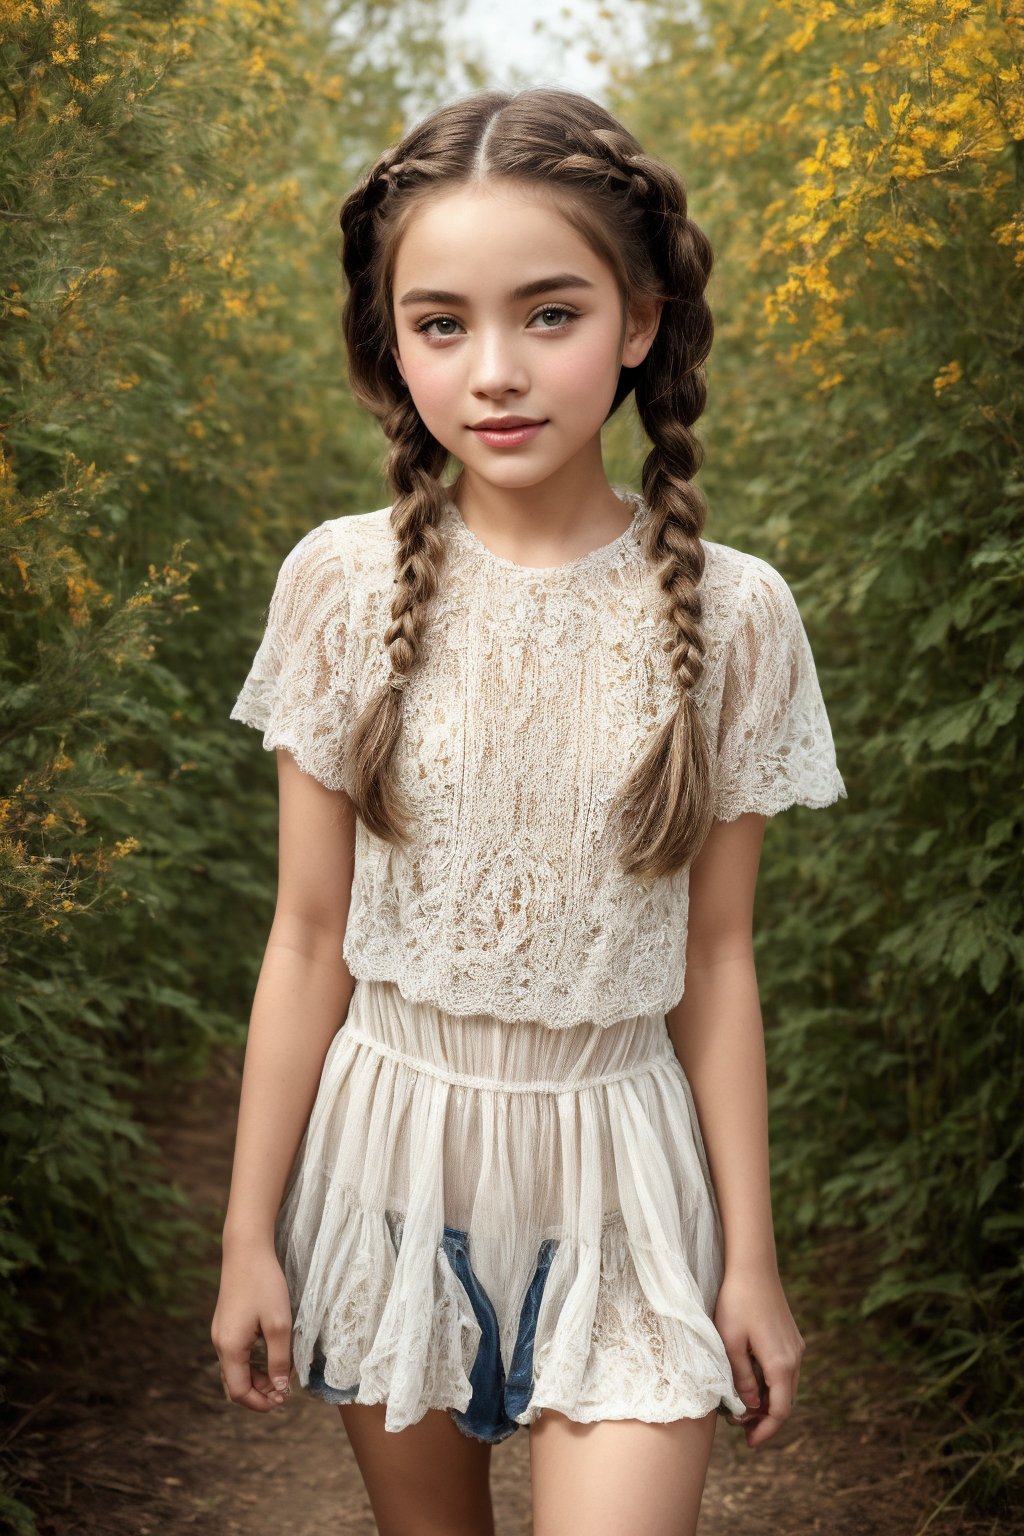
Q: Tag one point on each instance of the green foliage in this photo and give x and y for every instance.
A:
(856, 175)
(174, 416)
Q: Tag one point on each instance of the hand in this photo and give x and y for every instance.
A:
(253, 1302)
(764, 1346)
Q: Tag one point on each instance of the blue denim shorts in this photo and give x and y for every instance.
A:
(496, 1399)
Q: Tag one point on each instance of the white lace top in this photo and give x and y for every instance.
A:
(535, 691)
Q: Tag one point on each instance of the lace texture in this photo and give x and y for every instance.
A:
(535, 692)
(514, 1134)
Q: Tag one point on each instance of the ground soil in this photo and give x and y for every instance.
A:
(130, 1434)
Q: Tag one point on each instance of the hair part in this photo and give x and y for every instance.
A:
(632, 211)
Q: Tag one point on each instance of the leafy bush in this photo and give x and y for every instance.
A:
(858, 173)
(175, 416)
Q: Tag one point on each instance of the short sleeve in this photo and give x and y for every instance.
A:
(775, 746)
(298, 691)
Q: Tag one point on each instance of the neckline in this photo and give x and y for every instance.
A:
(591, 557)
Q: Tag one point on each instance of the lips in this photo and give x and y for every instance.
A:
(508, 432)
(506, 423)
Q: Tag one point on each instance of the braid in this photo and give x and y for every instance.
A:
(632, 210)
(666, 803)
(413, 467)
(415, 515)
(614, 156)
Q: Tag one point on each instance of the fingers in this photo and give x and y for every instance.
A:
(778, 1409)
(744, 1372)
(263, 1383)
(239, 1387)
(246, 1383)
(781, 1378)
(278, 1334)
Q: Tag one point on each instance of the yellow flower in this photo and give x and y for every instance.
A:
(951, 374)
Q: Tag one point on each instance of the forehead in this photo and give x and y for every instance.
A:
(477, 239)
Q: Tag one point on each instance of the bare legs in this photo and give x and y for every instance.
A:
(619, 1477)
(427, 1480)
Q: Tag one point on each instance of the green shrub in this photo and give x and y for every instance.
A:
(858, 173)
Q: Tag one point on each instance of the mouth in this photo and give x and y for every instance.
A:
(507, 431)
(500, 423)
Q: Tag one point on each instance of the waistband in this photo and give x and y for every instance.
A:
(480, 1051)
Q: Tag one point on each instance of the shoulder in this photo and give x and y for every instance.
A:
(739, 587)
(364, 539)
(324, 577)
(356, 546)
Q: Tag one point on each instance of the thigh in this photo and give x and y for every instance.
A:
(428, 1479)
(619, 1477)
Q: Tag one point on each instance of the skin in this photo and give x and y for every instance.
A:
(549, 500)
(540, 504)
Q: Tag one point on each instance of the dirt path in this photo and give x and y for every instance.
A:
(127, 1431)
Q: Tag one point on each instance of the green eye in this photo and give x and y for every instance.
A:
(423, 325)
(560, 314)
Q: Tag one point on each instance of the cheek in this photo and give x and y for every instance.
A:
(433, 387)
(575, 373)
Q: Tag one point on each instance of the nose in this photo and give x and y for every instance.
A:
(497, 366)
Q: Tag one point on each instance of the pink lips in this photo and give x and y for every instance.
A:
(507, 431)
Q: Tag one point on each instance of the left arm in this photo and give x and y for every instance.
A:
(717, 1033)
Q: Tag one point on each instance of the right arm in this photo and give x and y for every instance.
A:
(301, 1001)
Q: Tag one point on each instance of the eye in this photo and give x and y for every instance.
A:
(564, 312)
(436, 320)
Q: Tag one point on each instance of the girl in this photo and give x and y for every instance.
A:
(528, 730)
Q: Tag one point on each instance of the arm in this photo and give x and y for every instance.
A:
(301, 1000)
(717, 1034)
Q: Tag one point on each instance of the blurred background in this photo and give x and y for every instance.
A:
(175, 415)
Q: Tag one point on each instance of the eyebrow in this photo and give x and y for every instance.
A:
(527, 291)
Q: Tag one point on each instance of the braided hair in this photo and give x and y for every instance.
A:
(632, 210)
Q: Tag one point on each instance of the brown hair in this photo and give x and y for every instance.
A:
(631, 209)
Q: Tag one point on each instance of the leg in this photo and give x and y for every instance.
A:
(619, 1477)
(429, 1479)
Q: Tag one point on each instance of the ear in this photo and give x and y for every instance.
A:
(398, 365)
(641, 328)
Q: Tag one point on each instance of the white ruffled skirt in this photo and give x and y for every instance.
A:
(514, 1134)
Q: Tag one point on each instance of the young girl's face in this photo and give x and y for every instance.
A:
(502, 310)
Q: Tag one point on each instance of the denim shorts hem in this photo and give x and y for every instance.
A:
(471, 1434)
(332, 1395)
(342, 1396)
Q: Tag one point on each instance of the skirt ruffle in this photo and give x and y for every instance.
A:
(514, 1134)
